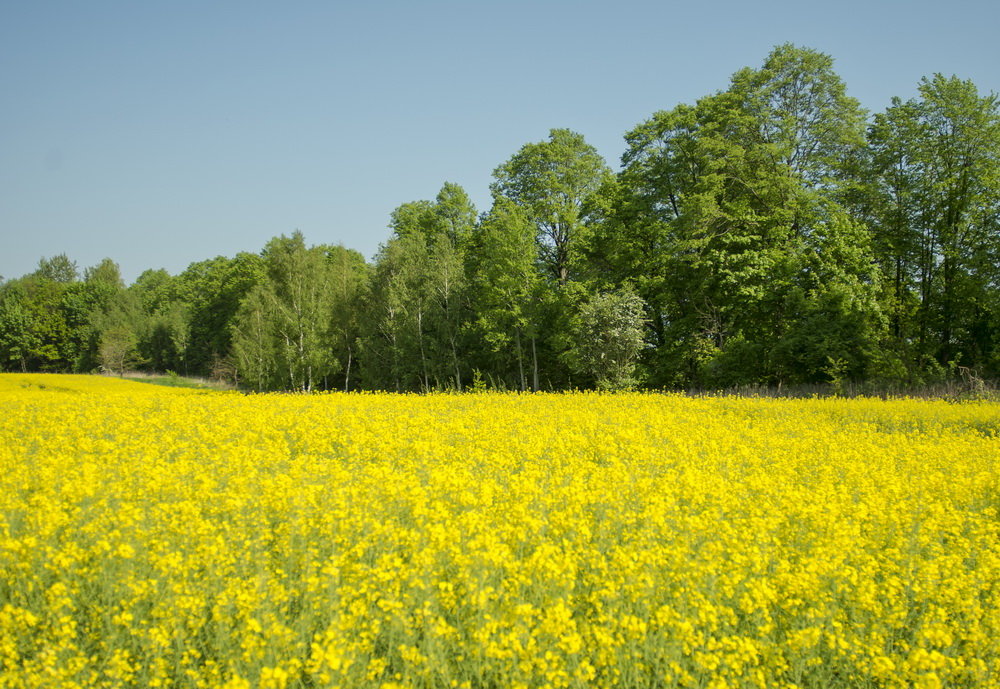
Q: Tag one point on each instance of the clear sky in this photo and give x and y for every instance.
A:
(162, 133)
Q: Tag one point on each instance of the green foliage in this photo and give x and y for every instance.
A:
(213, 291)
(934, 199)
(506, 289)
(552, 181)
(57, 269)
(282, 334)
(417, 304)
(608, 338)
(18, 337)
(729, 221)
(349, 277)
(118, 351)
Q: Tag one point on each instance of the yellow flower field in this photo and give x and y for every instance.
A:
(160, 537)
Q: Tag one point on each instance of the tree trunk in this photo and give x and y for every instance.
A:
(423, 356)
(454, 358)
(534, 360)
(897, 318)
(926, 274)
(347, 370)
(520, 361)
(947, 307)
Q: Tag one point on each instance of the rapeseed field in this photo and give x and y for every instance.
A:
(162, 537)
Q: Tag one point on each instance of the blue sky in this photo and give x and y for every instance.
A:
(159, 133)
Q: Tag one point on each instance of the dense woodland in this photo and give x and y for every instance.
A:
(773, 233)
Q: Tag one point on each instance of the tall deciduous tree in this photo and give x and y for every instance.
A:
(57, 269)
(799, 113)
(892, 209)
(723, 212)
(349, 277)
(118, 349)
(289, 318)
(936, 204)
(506, 290)
(87, 305)
(18, 339)
(212, 291)
(418, 303)
(54, 347)
(394, 344)
(552, 181)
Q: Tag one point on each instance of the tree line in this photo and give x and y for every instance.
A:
(771, 233)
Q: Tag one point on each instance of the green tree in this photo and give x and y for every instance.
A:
(86, 305)
(553, 181)
(293, 306)
(800, 116)
(18, 339)
(455, 214)
(397, 344)
(608, 338)
(722, 213)
(166, 338)
(118, 350)
(934, 205)
(506, 288)
(255, 348)
(156, 289)
(348, 284)
(47, 316)
(417, 304)
(891, 207)
(118, 328)
(57, 269)
(212, 292)
(54, 347)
